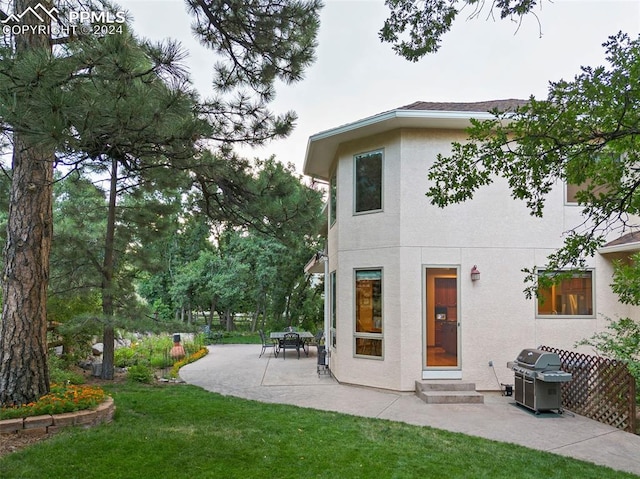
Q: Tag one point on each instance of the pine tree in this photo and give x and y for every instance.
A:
(53, 92)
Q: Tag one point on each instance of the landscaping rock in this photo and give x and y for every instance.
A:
(97, 349)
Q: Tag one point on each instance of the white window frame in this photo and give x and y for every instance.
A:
(333, 199)
(333, 290)
(368, 335)
(355, 181)
(571, 316)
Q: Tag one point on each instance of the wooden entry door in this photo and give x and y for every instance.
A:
(442, 318)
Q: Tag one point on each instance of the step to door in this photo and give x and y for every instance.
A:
(448, 392)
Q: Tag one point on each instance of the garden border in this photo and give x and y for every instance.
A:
(52, 423)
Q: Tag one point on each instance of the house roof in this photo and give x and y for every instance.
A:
(478, 106)
(627, 243)
(322, 147)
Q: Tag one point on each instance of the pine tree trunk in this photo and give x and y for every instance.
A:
(108, 335)
(24, 375)
(212, 312)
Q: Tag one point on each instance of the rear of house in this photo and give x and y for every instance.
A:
(417, 292)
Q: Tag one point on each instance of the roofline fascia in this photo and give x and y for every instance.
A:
(620, 248)
(433, 119)
(390, 115)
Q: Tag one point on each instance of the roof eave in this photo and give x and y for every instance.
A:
(322, 147)
(620, 248)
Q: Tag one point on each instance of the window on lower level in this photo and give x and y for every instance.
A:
(572, 295)
(333, 301)
(369, 322)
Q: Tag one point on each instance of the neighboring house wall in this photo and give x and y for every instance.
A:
(409, 235)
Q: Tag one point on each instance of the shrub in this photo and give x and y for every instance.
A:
(124, 357)
(621, 341)
(140, 373)
(59, 375)
(160, 361)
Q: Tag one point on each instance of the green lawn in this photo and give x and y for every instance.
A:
(181, 431)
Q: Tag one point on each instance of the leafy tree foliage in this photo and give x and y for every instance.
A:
(415, 27)
(620, 341)
(92, 256)
(265, 237)
(185, 240)
(585, 133)
(266, 197)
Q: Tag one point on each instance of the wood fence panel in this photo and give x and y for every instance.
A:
(601, 389)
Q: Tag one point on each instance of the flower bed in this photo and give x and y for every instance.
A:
(65, 405)
(51, 423)
(62, 398)
(189, 359)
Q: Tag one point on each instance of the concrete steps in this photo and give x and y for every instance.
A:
(448, 392)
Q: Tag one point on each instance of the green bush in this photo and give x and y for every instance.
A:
(160, 361)
(59, 374)
(620, 341)
(124, 357)
(140, 373)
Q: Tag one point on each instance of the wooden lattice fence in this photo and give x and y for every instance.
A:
(601, 389)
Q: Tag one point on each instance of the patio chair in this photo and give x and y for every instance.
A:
(317, 339)
(290, 341)
(266, 344)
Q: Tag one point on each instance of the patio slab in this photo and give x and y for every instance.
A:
(236, 370)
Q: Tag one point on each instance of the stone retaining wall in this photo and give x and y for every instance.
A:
(51, 423)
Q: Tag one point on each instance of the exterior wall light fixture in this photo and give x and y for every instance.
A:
(475, 273)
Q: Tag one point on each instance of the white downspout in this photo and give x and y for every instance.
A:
(327, 308)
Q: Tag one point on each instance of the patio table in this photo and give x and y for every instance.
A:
(305, 338)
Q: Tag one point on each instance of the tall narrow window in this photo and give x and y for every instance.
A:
(332, 287)
(368, 182)
(572, 296)
(368, 328)
(333, 199)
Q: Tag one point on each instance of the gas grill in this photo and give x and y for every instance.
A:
(538, 380)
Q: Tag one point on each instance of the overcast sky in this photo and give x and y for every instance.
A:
(356, 76)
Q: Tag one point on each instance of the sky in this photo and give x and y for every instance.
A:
(356, 76)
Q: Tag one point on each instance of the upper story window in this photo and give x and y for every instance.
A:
(606, 161)
(572, 296)
(368, 182)
(333, 199)
(571, 191)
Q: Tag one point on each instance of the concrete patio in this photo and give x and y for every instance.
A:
(236, 370)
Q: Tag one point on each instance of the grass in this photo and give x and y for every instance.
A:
(182, 431)
(239, 337)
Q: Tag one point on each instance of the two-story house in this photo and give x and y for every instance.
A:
(415, 292)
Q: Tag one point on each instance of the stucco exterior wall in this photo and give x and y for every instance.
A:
(493, 231)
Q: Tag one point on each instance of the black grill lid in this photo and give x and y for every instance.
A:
(539, 359)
